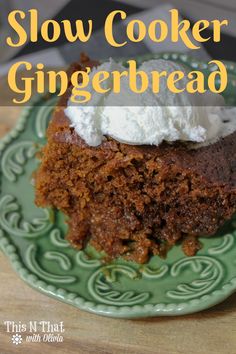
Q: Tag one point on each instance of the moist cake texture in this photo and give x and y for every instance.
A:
(135, 201)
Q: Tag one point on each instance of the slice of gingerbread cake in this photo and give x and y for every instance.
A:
(136, 199)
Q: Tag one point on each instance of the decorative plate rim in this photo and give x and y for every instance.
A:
(141, 311)
(133, 311)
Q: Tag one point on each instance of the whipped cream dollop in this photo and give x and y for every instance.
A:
(149, 118)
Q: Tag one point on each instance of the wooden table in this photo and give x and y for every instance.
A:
(212, 331)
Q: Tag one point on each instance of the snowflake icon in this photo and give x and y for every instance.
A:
(16, 339)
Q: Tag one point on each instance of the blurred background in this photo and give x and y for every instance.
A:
(62, 53)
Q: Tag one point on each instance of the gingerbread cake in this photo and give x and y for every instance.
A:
(135, 201)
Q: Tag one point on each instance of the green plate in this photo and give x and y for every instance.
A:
(33, 240)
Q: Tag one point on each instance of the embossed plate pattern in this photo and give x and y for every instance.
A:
(33, 240)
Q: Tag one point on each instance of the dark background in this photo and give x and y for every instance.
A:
(98, 10)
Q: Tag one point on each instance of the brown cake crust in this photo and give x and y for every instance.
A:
(135, 201)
